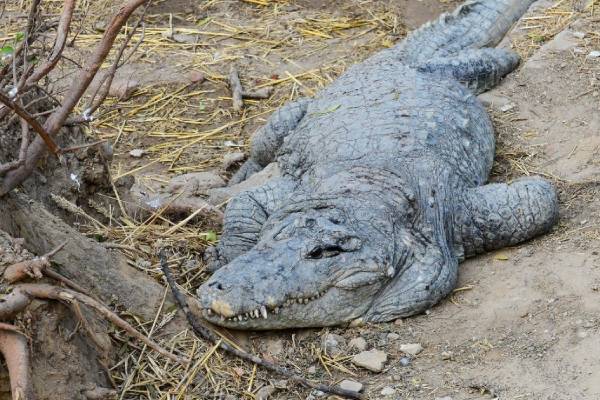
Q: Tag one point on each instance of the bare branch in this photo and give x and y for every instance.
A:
(32, 122)
(59, 45)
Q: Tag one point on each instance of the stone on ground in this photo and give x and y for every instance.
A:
(351, 386)
(373, 360)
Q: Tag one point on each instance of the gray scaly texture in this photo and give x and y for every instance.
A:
(383, 187)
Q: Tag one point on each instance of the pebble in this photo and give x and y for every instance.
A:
(358, 343)
(446, 355)
(312, 370)
(444, 398)
(351, 386)
(579, 35)
(332, 344)
(393, 336)
(411, 348)
(265, 392)
(275, 347)
(373, 360)
(405, 361)
(137, 153)
(593, 54)
(388, 391)
(507, 107)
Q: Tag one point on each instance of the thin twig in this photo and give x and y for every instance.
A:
(206, 334)
(236, 89)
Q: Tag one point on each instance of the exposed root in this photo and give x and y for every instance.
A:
(22, 295)
(200, 330)
(13, 346)
(34, 268)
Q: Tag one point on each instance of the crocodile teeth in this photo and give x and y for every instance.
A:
(305, 301)
(276, 310)
(263, 311)
(209, 311)
(256, 315)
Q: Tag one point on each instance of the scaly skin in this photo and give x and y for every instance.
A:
(382, 193)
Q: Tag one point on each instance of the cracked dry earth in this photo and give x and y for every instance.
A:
(525, 321)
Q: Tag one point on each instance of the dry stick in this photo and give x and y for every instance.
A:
(205, 333)
(32, 122)
(236, 89)
(80, 84)
(13, 345)
(45, 291)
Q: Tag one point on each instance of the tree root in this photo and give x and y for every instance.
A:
(13, 346)
(31, 268)
(202, 331)
(23, 294)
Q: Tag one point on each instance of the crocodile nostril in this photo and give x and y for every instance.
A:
(215, 285)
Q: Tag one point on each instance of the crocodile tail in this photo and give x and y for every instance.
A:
(475, 24)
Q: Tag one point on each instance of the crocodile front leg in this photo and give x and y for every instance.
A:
(478, 69)
(499, 215)
(268, 139)
(244, 218)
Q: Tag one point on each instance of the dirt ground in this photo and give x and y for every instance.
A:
(524, 322)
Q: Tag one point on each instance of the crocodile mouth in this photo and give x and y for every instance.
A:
(262, 312)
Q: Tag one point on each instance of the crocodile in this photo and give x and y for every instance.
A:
(383, 188)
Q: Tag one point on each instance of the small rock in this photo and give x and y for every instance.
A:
(579, 35)
(411, 348)
(137, 153)
(393, 336)
(332, 344)
(507, 107)
(446, 355)
(122, 89)
(358, 343)
(398, 322)
(275, 347)
(373, 360)
(265, 392)
(196, 77)
(593, 54)
(232, 159)
(312, 370)
(388, 391)
(405, 361)
(351, 386)
(444, 398)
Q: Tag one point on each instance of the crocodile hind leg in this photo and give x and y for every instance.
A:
(244, 218)
(498, 215)
(478, 69)
(269, 138)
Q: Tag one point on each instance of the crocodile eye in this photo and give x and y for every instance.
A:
(319, 252)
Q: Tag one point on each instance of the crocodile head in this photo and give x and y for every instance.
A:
(318, 263)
